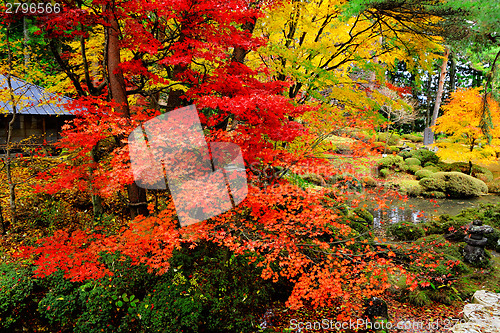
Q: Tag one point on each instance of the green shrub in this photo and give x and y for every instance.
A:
(493, 240)
(359, 227)
(434, 227)
(450, 251)
(414, 168)
(413, 161)
(459, 185)
(401, 167)
(432, 168)
(405, 231)
(393, 149)
(477, 171)
(228, 288)
(379, 145)
(423, 155)
(488, 213)
(384, 173)
(393, 138)
(364, 215)
(411, 188)
(454, 226)
(207, 289)
(430, 184)
(406, 154)
(16, 287)
(423, 173)
(389, 161)
(413, 137)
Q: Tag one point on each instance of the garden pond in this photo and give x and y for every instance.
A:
(420, 209)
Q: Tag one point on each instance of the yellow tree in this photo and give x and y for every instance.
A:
(462, 123)
(335, 56)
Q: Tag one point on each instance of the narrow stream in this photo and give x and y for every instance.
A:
(419, 209)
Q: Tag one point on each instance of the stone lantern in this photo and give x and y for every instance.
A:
(474, 250)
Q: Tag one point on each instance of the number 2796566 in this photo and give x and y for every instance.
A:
(33, 8)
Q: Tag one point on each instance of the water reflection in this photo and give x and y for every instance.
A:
(419, 209)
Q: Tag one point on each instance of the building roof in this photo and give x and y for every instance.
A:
(33, 99)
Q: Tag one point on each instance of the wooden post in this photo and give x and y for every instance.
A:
(43, 129)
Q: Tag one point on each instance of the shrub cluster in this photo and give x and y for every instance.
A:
(207, 289)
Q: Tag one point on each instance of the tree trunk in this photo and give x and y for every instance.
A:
(174, 100)
(453, 72)
(2, 222)
(428, 99)
(136, 195)
(239, 52)
(8, 156)
(439, 94)
(96, 199)
(25, 43)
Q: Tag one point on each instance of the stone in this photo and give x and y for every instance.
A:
(473, 328)
(474, 250)
(483, 316)
(375, 308)
(486, 298)
(428, 136)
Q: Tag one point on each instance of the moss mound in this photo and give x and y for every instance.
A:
(413, 161)
(389, 161)
(459, 185)
(431, 184)
(393, 149)
(406, 231)
(423, 155)
(413, 137)
(488, 213)
(384, 173)
(477, 171)
(411, 188)
(434, 194)
(364, 215)
(394, 139)
(423, 173)
(414, 168)
(432, 168)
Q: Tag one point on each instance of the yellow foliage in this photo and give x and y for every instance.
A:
(461, 122)
(334, 58)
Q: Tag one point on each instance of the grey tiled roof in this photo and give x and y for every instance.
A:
(32, 99)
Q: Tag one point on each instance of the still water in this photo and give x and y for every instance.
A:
(419, 209)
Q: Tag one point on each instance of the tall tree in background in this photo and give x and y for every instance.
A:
(439, 93)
